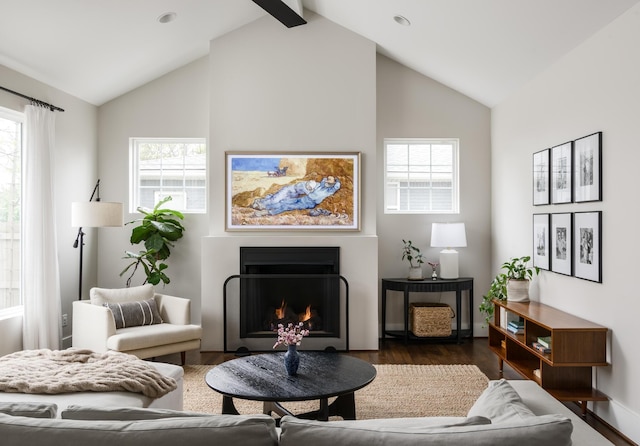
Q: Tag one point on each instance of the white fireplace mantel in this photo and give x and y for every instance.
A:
(358, 264)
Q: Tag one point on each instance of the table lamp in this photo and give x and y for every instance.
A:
(448, 236)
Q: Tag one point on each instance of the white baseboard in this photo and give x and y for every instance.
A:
(619, 417)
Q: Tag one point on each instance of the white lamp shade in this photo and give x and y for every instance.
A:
(96, 214)
(448, 235)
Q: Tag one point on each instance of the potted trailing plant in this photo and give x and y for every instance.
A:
(158, 229)
(415, 258)
(512, 284)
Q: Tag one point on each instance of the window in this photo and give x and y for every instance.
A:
(421, 176)
(10, 207)
(175, 167)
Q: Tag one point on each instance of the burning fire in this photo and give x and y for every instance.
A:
(281, 311)
(306, 315)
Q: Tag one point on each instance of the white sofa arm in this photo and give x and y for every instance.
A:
(92, 326)
(174, 310)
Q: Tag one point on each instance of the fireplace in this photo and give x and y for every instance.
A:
(281, 285)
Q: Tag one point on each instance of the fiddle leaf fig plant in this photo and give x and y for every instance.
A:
(158, 229)
(514, 269)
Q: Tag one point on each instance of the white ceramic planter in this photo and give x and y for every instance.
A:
(415, 273)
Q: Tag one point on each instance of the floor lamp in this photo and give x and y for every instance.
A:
(448, 236)
(93, 214)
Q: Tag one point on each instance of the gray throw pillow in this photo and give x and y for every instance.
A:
(31, 410)
(500, 403)
(134, 314)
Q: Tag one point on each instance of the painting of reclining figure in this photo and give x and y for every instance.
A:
(308, 191)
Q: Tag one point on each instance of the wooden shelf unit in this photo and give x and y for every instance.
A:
(577, 345)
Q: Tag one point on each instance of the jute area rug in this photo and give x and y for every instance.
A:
(399, 390)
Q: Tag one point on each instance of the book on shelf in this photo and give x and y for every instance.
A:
(516, 324)
(541, 348)
(515, 330)
(545, 341)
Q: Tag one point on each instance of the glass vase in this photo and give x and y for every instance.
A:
(292, 360)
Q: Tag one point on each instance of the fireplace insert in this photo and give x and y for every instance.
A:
(282, 285)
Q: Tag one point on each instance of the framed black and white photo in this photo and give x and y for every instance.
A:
(587, 168)
(541, 254)
(541, 177)
(587, 245)
(561, 173)
(561, 243)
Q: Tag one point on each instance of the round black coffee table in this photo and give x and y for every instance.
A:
(320, 377)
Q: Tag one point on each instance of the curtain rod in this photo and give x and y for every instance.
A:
(37, 101)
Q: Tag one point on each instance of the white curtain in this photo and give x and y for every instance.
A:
(40, 278)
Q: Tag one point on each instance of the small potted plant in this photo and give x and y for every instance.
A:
(512, 284)
(413, 255)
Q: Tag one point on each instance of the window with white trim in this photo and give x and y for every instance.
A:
(11, 140)
(169, 166)
(421, 176)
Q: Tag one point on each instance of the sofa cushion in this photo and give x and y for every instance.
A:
(101, 296)
(256, 430)
(135, 338)
(32, 410)
(123, 413)
(546, 429)
(134, 314)
(500, 402)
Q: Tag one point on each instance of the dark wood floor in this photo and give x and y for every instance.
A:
(394, 352)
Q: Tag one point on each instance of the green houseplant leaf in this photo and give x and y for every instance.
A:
(158, 229)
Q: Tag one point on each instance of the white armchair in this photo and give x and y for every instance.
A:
(94, 325)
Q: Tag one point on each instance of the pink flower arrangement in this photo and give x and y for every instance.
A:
(292, 335)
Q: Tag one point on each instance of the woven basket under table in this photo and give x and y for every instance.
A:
(430, 319)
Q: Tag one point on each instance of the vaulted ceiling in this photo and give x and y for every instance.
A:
(99, 49)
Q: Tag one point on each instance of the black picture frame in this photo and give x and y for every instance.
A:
(562, 243)
(587, 168)
(541, 191)
(541, 247)
(587, 245)
(561, 173)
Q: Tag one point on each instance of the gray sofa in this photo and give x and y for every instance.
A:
(508, 412)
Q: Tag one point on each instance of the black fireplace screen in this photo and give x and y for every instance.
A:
(281, 285)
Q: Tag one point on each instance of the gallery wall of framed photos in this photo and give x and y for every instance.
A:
(569, 243)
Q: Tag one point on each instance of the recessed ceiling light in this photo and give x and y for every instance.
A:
(402, 20)
(167, 17)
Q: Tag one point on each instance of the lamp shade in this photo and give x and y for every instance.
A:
(448, 235)
(96, 214)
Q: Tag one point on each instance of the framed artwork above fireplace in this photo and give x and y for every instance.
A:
(292, 190)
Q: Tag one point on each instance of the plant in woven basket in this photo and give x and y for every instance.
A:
(158, 229)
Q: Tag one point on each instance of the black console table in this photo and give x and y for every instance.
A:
(428, 286)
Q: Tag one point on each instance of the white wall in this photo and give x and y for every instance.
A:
(175, 105)
(75, 162)
(594, 88)
(309, 88)
(410, 105)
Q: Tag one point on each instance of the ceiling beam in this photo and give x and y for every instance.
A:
(281, 11)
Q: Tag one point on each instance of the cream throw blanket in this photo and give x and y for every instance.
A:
(79, 370)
